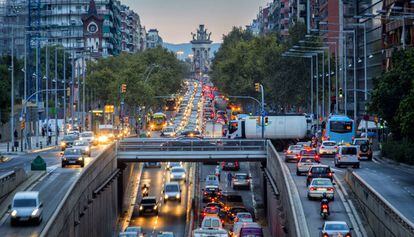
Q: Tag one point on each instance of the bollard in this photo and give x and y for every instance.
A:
(41, 146)
(8, 147)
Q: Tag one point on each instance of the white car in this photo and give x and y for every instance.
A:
(328, 148)
(84, 146)
(89, 137)
(335, 228)
(304, 164)
(136, 229)
(178, 173)
(319, 186)
(172, 191)
(173, 164)
(26, 206)
(347, 155)
(212, 180)
(243, 217)
(168, 132)
(240, 180)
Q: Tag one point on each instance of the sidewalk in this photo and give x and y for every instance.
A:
(6, 147)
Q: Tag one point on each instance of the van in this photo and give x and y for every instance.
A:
(26, 207)
(247, 229)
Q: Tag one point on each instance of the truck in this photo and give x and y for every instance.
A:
(282, 129)
(211, 227)
(213, 130)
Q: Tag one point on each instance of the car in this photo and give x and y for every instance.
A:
(210, 211)
(211, 193)
(168, 132)
(364, 147)
(89, 137)
(212, 180)
(148, 205)
(172, 191)
(152, 164)
(165, 234)
(232, 212)
(178, 173)
(347, 155)
(218, 205)
(241, 229)
(319, 171)
(230, 166)
(328, 148)
(136, 229)
(67, 141)
(26, 207)
(84, 146)
(319, 186)
(308, 153)
(128, 234)
(335, 228)
(292, 152)
(240, 180)
(72, 156)
(243, 217)
(304, 165)
(304, 144)
(173, 164)
(230, 199)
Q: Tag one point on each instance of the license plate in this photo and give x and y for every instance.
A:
(321, 189)
(72, 162)
(324, 210)
(24, 218)
(147, 210)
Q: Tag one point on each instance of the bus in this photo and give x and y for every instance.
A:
(340, 128)
(158, 121)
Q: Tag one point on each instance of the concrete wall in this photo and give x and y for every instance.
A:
(285, 213)
(384, 220)
(90, 206)
(10, 180)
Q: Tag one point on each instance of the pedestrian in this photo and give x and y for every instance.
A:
(49, 137)
(229, 178)
(43, 131)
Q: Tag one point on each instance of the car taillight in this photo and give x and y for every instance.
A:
(316, 157)
(348, 235)
(205, 193)
(325, 235)
(330, 174)
(298, 156)
(312, 189)
(310, 173)
(289, 152)
(336, 147)
(339, 157)
(330, 189)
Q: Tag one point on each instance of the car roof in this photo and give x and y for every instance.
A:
(211, 186)
(177, 168)
(172, 183)
(328, 141)
(320, 166)
(321, 179)
(240, 173)
(26, 194)
(335, 222)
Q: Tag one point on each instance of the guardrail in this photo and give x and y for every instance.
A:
(287, 196)
(384, 219)
(10, 180)
(90, 201)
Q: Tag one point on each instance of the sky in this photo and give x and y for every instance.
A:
(176, 19)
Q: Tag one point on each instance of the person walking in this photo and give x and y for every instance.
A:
(229, 178)
(49, 137)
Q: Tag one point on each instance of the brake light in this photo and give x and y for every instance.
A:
(289, 152)
(330, 189)
(316, 157)
(336, 147)
(310, 173)
(330, 174)
(312, 189)
(205, 193)
(325, 235)
(339, 157)
(348, 235)
(298, 156)
(324, 206)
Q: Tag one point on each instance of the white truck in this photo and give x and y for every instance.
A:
(211, 227)
(213, 130)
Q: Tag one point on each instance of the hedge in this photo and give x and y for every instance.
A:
(399, 151)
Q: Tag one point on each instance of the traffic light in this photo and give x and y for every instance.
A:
(341, 93)
(257, 87)
(123, 88)
(266, 120)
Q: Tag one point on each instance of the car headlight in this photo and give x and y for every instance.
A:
(141, 207)
(155, 207)
(14, 213)
(63, 143)
(87, 149)
(166, 196)
(35, 212)
(183, 176)
(103, 139)
(80, 158)
(177, 196)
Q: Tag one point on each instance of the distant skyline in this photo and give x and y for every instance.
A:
(176, 19)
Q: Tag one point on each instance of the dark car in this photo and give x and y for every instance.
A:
(73, 156)
(67, 141)
(211, 193)
(364, 147)
(148, 205)
(231, 213)
(230, 166)
(319, 171)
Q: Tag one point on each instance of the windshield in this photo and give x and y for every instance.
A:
(306, 152)
(360, 142)
(349, 151)
(321, 182)
(340, 127)
(73, 152)
(178, 170)
(241, 176)
(319, 170)
(336, 226)
(171, 188)
(80, 143)
(244, 215)
(169, 130)
(212, 223)
(69, 138)
(24, 203)
(307, 160)
(86, 134)
(148, 201)
(329, 143)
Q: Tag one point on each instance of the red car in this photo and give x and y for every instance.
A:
(230, 166)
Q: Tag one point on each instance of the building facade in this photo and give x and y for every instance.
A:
(201, 44)
(153, 39)
(130, 30)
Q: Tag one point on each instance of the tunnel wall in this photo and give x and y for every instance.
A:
(382, 217)
(90, 206)
(285, 214)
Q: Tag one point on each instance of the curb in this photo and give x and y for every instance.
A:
(43, 149)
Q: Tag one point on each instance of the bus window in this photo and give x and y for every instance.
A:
(340, 126)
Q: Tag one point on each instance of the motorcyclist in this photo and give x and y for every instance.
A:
(325, 201)
(145, 189)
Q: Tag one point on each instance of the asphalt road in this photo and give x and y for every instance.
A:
(311, 208)
(172, 215)
(52, 188)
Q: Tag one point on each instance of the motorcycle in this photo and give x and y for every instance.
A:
(145, 191)
(324, 211)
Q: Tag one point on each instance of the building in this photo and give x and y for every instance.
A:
(143, 39)
(62, 22)
(201, 44)
(153, 39)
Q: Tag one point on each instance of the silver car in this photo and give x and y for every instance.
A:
(240, 180)
(347, 155)
(292, 152)
(177, 173)
(26, 206)
(304, 164)
(328, 148)
(172, 191)
(319, 186)
(335, 228)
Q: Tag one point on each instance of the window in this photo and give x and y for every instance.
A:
(349, 151)
(24, 203)
(340, 126)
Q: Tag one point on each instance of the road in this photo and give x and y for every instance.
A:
(52, 187)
